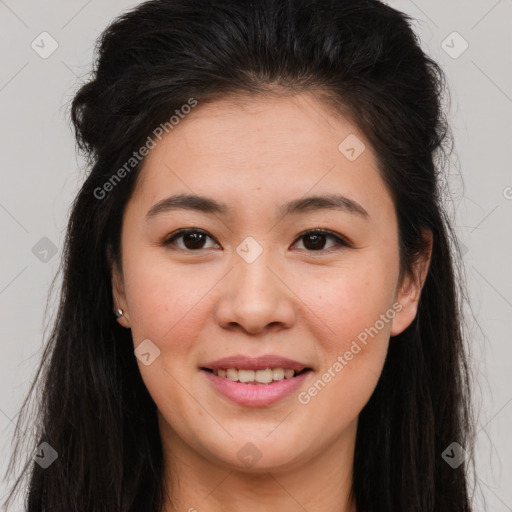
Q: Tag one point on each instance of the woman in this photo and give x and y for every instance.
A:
(259, 308)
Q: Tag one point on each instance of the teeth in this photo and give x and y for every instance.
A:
(278, 373)
(245, 375)
(232, 374)
(288, 374)
(265, 376)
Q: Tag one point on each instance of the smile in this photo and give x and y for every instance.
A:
(243, 387)
(265, 376)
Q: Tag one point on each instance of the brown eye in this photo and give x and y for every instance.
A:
(316, 240)
(192, 239)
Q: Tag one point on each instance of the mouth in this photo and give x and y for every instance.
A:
(263, 376)
(256, 381)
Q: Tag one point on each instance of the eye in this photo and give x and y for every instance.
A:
(192, 239)
(315, 240)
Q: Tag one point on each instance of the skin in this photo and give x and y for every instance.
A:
(198, 305)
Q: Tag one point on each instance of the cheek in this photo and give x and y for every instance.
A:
(351, 301)
(166, 307)
(355, 309)
(352, 340)
(163, 298)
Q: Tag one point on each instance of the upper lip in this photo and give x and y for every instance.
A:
(255, 363)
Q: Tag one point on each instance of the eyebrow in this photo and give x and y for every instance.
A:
(297, 206)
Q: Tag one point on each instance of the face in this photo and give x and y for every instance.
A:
(257, 273)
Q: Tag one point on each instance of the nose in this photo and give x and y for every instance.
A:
(255, 297)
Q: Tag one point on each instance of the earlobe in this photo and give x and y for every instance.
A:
(408, 299)
(119, 298)
(410, 291)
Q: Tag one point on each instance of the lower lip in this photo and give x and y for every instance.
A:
(256, 395)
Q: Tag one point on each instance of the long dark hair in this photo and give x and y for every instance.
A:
(364, 59)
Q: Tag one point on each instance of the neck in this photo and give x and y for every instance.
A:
(197, 484)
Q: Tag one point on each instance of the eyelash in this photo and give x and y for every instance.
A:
(341, 241)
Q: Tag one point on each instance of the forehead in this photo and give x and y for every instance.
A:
(277, 147)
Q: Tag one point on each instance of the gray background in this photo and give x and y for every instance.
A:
(41, 174)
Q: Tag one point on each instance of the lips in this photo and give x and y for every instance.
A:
(241, 362)
(239, 378)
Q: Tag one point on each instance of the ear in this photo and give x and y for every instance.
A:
(410, 290)
(119, 296)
